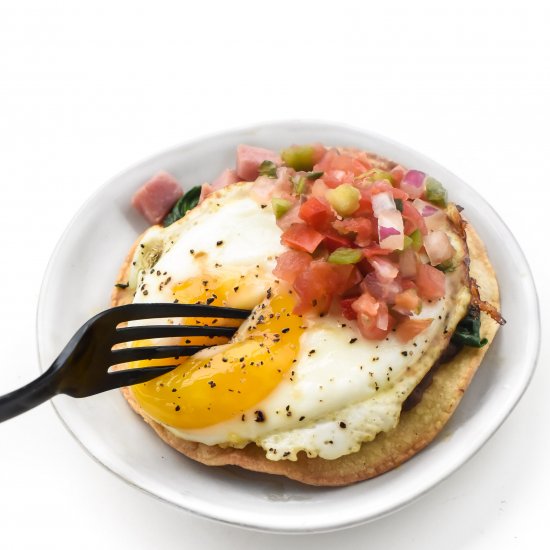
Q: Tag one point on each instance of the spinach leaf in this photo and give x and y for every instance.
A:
(185, 203)
(467, 331)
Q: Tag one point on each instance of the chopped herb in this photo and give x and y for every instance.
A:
(314, 175)
(298, 184)
(185, 203)
(446, 267)
(268, 168)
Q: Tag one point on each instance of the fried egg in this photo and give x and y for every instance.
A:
(287, 383)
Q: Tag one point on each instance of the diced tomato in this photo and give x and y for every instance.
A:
(408, 262)
(290, 264)
(363, 228)
(347, 310)
(370, 326)
(430, 282)
(333, 241)
(397, 173)
(409, 328)
(300, 236)
(365, 207)
(407, 283)
(334, 178)
(374, 250)
(340, 168)
(316, 213)
(408, 301)
(344, 162)
(317, 285)
(412, 219)
(366, 304)
(382, 186)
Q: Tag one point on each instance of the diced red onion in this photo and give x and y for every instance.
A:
(386, 232)
(384, 269)
(382, 319)
(382, 290)
(438, 247)
(413, 183)
(433, 216)
(381, 202)
(390, 230)
(319, 189)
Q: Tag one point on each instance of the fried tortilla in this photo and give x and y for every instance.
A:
(417, 427)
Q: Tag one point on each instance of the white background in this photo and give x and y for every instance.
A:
(87, 89)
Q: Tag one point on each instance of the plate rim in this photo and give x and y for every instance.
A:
(272, 526)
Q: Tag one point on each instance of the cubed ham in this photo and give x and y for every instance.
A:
(155, 198)
(227, 177)
(249, 159)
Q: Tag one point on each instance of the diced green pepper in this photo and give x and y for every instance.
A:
(344, 256)
(299, 157)
(268, 168)
(378, 175)
(399, 204)
(407, 242)
(298, 184)
(416, 238)
(344, 199)
(280, 206)
(435, 192)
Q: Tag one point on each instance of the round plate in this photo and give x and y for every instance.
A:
(78, 283)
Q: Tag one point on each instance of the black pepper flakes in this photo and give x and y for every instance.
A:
(353, 340)
(219, 243)
(343, 425)
(177, 408)
(212, 384)
(259, 416)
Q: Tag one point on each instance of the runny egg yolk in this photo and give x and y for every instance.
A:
(203, 391)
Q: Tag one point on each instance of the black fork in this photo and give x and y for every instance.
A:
(82, 368)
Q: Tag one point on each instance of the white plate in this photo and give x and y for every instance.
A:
(78, 283)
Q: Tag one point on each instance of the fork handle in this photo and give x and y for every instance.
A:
(29, 396)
